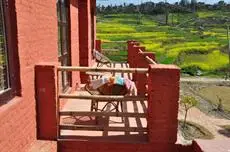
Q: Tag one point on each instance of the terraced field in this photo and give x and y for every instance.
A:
(195, 42)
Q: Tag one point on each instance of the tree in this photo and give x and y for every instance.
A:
(166, 12)
(221, 3)
(193, 5)
(184, 2)
(220, 105)
(188, 102)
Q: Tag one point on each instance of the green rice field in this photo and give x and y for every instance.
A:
(194, 42)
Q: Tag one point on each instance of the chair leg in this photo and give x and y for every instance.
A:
(122, 110)
(117, 107)
(122, 106)
(92, 105)
(98, 64)
(96, 105)
(96, 109)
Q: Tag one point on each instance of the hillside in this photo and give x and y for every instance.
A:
(195, 42)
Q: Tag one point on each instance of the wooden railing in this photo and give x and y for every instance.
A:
(90, 69)
(101, 98)
(147, 58)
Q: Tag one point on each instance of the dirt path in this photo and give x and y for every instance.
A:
(204, 80)
(207, 117)
(210, 122)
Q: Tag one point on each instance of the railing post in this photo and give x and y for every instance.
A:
(131, 52)
(163, 92)
(98, 45)
(140, 62)
(46, 97)
(85, 38)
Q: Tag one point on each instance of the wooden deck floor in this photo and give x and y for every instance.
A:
(84, 105)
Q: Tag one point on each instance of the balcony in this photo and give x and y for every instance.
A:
(146, 122)
(127, 125)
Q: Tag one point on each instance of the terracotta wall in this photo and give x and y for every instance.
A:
(37, 37)
(74, 32)
(36, 23)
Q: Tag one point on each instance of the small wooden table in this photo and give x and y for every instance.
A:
(107, 90)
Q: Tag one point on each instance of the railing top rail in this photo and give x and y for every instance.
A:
(103, 97)
(95, 69)
(114, 41)
(147, 58)
(103, 113)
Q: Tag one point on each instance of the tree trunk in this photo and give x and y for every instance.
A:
(166, 17)
(185, 117)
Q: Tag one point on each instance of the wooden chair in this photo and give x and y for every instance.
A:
(102, 59)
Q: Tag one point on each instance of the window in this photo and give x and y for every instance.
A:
(9, 70)
(64, 39)
(4, 71)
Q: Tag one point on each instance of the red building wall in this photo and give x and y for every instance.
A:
(37, 39)
(87, 33)
(74, 32)
(37, 42)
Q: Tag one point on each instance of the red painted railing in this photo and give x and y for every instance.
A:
(162, 92)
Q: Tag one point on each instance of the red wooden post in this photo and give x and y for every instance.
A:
(131, 52)
(163, 92)
(46, 85)
(85, 36)
(140, 62)
(98, 45)
(141, 79)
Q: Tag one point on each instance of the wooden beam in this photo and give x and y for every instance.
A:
(114, 42)
(104, 98)
(109, 114)
(147, 58)
(102, 128)
(86, 69)
(111, 50)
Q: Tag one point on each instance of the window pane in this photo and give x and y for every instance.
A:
(4, 84)
(63, 10)
(65, 39)
(58, 10)
(65, 80)
(64, 33)
(59, 41)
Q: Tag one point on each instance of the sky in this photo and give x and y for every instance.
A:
(118, 2)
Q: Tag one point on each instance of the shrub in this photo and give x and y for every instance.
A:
(188, 102)
(191, 70)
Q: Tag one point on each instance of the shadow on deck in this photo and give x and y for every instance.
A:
(102, 123)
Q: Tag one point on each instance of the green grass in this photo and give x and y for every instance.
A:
(184, 44)
(212, 93)
(206, 62)
(193, 131)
